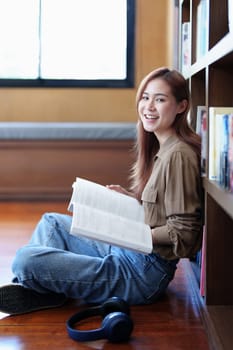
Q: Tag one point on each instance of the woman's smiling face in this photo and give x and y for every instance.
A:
(158, 108)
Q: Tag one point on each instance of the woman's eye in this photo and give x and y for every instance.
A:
(159, 99)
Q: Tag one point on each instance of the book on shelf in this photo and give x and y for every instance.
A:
(103, 214)
(219, 141)
(230, 15)
(201, 29)
(199, 264)
(185, 47)
(201, 129)
(203, 264)
(230, 152)
(223, 151)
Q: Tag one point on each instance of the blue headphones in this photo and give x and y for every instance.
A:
(117, 325)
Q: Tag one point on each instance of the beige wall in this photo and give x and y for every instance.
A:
(153, 49)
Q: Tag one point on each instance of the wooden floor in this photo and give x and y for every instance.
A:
(173, 323)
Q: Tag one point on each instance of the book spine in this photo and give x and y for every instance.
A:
(230, 153)
(218, 147)
(212, 172)
(224, 160)
(201, 129)
(203, 264)
(185, 47)
(201, 46)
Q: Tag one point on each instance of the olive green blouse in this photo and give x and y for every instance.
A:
(172, 200)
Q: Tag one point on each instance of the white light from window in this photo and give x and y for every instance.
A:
(19, 40)
(83, 39)
(69, 39)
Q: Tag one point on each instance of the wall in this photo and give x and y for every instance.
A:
(153, 49)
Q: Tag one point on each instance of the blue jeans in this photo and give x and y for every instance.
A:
(91, 271)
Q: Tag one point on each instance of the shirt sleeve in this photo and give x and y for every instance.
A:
(182, 200)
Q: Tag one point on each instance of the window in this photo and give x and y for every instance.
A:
(67, 43)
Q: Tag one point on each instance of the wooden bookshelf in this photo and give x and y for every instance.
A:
(210, 79)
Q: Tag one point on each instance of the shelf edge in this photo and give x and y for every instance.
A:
(218, 51)
(221, 196)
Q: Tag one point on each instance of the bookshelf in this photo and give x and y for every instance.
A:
(210, 76)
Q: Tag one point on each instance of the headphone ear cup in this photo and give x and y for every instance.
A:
(117, 327)
(114, 304)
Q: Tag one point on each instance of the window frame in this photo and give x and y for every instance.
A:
(89, 83)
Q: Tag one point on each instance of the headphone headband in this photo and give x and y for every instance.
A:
(116, 325)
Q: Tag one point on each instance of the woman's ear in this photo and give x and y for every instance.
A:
(182, 106)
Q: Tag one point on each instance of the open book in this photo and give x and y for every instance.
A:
(108, 216)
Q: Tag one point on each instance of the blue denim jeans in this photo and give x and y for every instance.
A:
(91, 271)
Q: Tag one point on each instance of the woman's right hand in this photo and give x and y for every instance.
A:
(120, 189)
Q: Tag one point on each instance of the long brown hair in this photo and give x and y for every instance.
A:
(147, 144)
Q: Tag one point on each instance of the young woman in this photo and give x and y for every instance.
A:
(166, 179)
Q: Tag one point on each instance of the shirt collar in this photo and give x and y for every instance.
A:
(172, 140)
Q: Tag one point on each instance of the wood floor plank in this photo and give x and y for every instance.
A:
(172, 323)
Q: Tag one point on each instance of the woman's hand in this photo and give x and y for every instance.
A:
(120, 189)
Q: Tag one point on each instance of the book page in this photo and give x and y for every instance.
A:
(106, 215)
(116, 230)
(102, 198)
